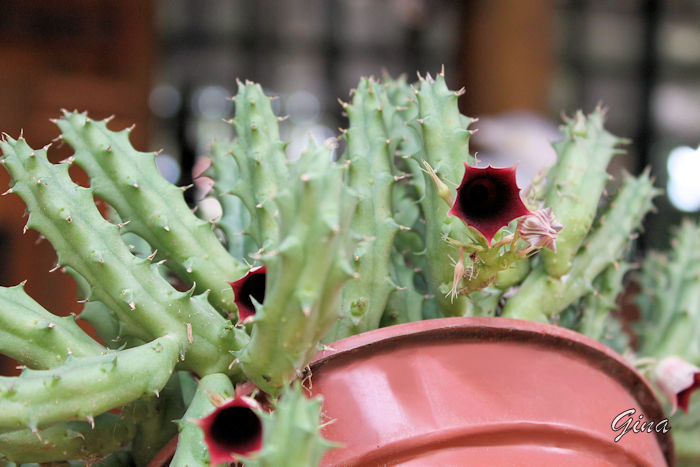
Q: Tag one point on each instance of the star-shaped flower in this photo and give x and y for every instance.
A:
(232, 429)
(488, 199)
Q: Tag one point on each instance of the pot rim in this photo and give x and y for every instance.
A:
(499, 329)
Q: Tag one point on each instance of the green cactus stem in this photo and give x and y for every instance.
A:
(409, 272)
(85, 387)
(371, 176)
(260, 162)
(291, 432)
(541, 296)
(235, 219)
(36, 338)
(596, 321)
(445, 147)
(305, 272)
(575, 184)
(155, 417)
(406, 302)
(131, 287)
(670, 301)
(685, 435)
(68, 441)
(191, 449)
(152, 207)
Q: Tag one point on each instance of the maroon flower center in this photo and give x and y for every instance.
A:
(253, 287)
(237, 430)
(488, 199)
(249, 287)
(481, 198)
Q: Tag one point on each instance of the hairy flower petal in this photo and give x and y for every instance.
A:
(251, 286)
(232, 429)
(488, 199)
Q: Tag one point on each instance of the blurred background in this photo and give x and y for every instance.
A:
(169, 65)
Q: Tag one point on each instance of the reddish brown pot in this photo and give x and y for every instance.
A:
(482, 391)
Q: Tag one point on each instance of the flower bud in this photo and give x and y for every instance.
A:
(677, 379)
(540, 229)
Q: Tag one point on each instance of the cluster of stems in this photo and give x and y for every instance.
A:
(403, 225)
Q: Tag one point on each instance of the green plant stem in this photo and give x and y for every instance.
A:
(132, 287)
(155, 209)
(83, 388)
(541, 296)
(36, 338)
(68, 441)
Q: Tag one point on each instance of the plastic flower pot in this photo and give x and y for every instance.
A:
(484, 391)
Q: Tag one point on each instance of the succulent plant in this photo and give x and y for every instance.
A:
(669, 332)
(403, 226)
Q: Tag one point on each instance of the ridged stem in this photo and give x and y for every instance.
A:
(132, 287)
(152, 207)
(83, 388)
(541, 296)
(575, 184)
(36, 338)
(68, 441)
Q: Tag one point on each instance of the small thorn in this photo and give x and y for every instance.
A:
(282, 118)
(8, 191)
(187, 187)
(152, 255)
(55, 268)
(91, 420)
(190, 339)
(166, 228)
(132, 305)
(123, 224)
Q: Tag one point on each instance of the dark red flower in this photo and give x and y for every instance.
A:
(684, 395)
(677, 379)
(250, 285)
(488, 199)
(232, 429)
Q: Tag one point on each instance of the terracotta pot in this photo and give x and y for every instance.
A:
(483, 391)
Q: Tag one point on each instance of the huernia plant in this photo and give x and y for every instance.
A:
(404, 225)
